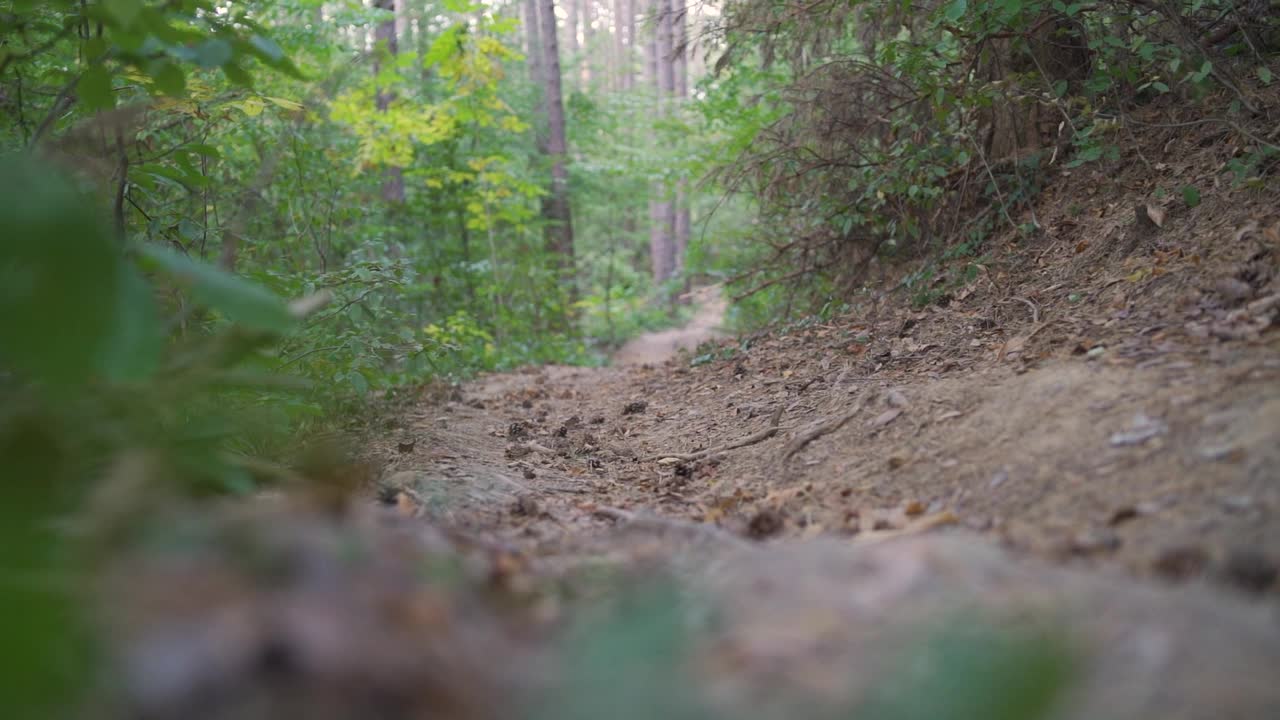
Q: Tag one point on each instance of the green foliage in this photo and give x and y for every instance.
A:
(218, 150)
(870, 130)
(90, 379)
(60, 269)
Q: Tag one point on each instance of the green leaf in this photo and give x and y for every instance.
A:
(1264, 74)
(956, 9)
(134, 348)
(1190, 195)
(169, 80)
(239, 300)
(124, 11)
(358, 382)
(237, 75)
(207, 151)
(213, 53)
(189, 230)
(269, 49)
(94, 88)
(58, 276)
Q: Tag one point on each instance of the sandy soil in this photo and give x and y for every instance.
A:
(657, 347)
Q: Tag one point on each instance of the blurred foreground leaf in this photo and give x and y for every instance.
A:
(59, 287)
(241, 301)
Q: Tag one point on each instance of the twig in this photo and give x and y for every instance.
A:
(312, 351)
(1035, 309)
(1202, 121)
(817, 430)
(64, 96)
(751, 439)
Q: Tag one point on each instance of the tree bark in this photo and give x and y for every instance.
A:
(588, 64)
(662, 216)
(533, 45)
(556, 208)
(618, 71)
(629, 66)
(684, 216)
(571, 48)
(385, 37)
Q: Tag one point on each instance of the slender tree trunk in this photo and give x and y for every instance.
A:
(592, 67)
(556, 208)
(629, 64)
(385, 40)
(533, 46)
(572, 56)
(684, 216)
(618, 61)
(662, 216)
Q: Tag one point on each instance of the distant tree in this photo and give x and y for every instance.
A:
(683, 215)
(556, 209)
(662, 216)
(387, 43)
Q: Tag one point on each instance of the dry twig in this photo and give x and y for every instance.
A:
(751, 439)
(817, 430)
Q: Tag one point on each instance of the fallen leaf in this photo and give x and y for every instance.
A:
(1140, 430)
(1155, 214)
(886, 417)
(1122, 515)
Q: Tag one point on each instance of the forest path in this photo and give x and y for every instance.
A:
(658, 347)
(1051, 470)
(832, 511)
(1083, 438)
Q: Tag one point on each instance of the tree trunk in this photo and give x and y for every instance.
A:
(571, 48)
(683, 218)
(629, 62)
(590, 67)
(385, 37)
(556, 209)
(618, 72)
(662, 216)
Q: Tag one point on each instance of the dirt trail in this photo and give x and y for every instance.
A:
(1087, 431)
(1066, 470)
(657, 347)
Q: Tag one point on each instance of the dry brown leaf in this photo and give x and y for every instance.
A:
(924, 524)
(886, 417)
(1155, 214)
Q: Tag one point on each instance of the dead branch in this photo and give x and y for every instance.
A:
(751, 439)
(817, 430)
(1035, 309)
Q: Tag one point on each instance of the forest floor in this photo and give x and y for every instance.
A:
(1082, 443)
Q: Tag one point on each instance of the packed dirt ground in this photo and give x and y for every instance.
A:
(1106, 393)
(1078, 450)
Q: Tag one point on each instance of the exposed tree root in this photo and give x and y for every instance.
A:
(817, 430)
(751, 439)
